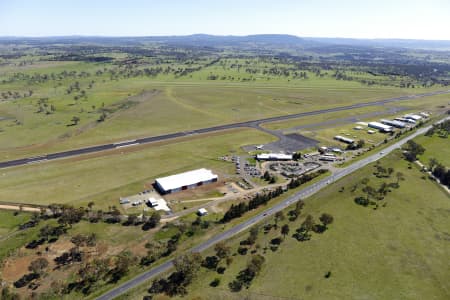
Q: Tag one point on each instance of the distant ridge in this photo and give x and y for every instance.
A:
(206, 40)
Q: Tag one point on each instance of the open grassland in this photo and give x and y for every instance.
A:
(435, 147)
(396, 251)
(104, 179)
(170, 104)
(10, 221)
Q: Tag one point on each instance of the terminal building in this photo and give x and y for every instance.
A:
(184, 181)
(274, 156)
(381, 127)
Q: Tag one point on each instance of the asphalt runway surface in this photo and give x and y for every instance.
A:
(251, 124)
(306, 192)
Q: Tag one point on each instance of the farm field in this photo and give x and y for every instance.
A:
(395, 251)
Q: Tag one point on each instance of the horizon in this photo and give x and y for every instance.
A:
(349, 19)
(221, 35)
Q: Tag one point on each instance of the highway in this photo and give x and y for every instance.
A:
(152, 139)
(303, 193)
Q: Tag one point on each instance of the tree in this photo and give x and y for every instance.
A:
(432, 163)
(188, 265)
(71, 216)
(222, 250)
(400, 176)
(326, 219)
(412, 150)
(122, 265)
(92, 271)
(152, 221)
(360, 144)
(285, 230)
(253, 235)
(75, 120)
(390, 171)
(279, 216)
(297, 156)
(365, 180)
(370, 191)
(308, 224)
(38, 266)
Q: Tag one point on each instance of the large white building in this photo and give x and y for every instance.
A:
(273, 156)
(184, 181)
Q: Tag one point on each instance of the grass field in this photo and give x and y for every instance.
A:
(104, 179)
(435, 147)
(397, 251)
(193, 103)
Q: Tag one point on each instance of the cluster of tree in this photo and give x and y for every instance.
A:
(296, 182)
(246, 276)
(236, 211)
(356, 145)
(156, 250)
(15, 95)
(297, 156)
(412, 149)
(186, 269)
(269, 177)
(442, 129)
(295, 212)
(94, 271)
(39, 78)
(303, 233)
(382, 172)
(222, 253)
(372, 193)
(440, 172)
(44, 107)
(37, 269)
(7, 294)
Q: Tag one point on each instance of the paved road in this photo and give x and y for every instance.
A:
(308, 191)
(254, 124)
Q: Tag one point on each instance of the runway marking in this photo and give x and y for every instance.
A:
(124, 142)
(37, 161)
(128, 145)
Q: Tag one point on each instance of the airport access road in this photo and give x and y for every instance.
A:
(302, 194)
(251, 124)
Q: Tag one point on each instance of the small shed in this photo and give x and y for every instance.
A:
(202, 212)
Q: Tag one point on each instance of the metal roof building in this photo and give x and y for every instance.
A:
(344, 139)
(380, 126)
(273, 156)
(413, 117)
(395, 123)
(184, 181)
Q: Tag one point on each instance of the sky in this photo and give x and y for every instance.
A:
(407, 19)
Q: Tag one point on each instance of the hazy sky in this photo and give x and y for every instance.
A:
(418, 19)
